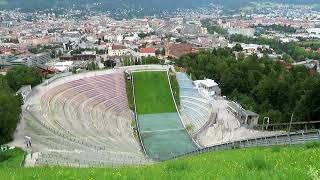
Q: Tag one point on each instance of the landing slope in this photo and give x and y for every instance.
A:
(152, 93)
(162, 132)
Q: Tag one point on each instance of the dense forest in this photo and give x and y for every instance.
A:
(291, 50)
(261, 85)
(9, 102)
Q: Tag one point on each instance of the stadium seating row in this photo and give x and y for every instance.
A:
(194, 106)
(88, 119)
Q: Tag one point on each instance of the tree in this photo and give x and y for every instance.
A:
(23, 75)
(237, 48)
(10, 115)
(259, 84)
(308, 107)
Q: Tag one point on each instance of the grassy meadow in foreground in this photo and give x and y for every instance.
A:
(291, 162)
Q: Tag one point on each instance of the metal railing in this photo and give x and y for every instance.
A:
(136, 116)
(58, 160)
(285, 139)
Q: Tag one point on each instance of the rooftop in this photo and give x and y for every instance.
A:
(118, 47)
(147, 50)
(207, 82)
(239, 109)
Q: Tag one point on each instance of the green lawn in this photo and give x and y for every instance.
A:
(11, 158)
(294, 162)
(152, 93)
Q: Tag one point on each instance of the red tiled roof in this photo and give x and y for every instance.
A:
(178, 50)
(147, 50)
(118, 47)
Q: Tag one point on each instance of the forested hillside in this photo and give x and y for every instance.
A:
(260, 85)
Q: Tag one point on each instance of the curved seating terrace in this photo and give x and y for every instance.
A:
(89, 120)
(194, 106)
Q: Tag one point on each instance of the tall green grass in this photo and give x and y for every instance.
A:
(288, 163)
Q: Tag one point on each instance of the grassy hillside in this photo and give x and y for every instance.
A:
(295, 162)
(152, 93)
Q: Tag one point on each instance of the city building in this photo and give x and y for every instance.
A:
(178, 50)
(79, 57)
(64, 66)
(117, 50)
(243, 31)
(245, 117)
(147, 52)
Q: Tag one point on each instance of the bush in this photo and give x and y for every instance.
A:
(4, 157)
(258, 162)
(23, 75)
(313, 144)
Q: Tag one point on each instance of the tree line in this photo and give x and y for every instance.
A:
(280, 28)
(261, 85)
(10, 102)
(291, 50)
(212, 29)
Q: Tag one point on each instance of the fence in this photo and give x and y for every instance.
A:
(55, 77)
(58, 160)
(286, 139)
(136, 116)
(290, 126)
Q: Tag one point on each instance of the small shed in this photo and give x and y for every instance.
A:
(209, 87)
(245, 117)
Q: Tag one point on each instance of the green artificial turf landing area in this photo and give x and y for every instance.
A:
(162, 133)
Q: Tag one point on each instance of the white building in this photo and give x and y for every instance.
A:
(243, 31)
(63, 66)
(147, 52)
(208, 87)
(117, 50)
(315, 31)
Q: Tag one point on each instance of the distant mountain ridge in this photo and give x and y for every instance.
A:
(134, 4)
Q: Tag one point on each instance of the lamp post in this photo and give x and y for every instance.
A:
(268, 121)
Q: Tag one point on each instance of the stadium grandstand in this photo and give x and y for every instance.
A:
(83, 120)
(195, 108)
